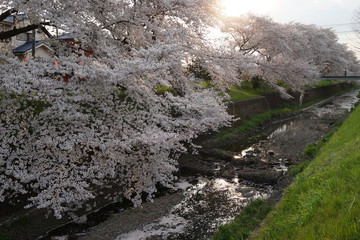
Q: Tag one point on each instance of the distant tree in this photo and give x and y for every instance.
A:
(294, 53)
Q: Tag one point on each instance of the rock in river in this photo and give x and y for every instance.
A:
(260, 176)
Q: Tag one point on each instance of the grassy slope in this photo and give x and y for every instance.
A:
(257, 119)
(247, 91)
(323, 83)
(239, 94)
(324, 200)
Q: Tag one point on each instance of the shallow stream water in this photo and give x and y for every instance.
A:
(207, 205)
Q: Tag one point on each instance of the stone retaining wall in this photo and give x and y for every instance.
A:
(249, 107)
(270, 101)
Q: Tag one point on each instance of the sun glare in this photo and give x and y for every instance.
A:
(241, 7)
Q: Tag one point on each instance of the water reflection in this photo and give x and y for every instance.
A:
(207, 205)
(337, 106)
(245, 152)
(280, 130)
(164, 227)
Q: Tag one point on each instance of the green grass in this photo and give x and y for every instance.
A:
(239, 94)
(246, 125)
(248, 90)
(246, 222)
(296, 169)
(205, 84)
(162, 89)
(321, 83)
(253, 89)
(324, 83)
(324, 200)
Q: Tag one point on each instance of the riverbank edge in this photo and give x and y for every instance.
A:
(323, 201)
(250, 122)
(257, 218)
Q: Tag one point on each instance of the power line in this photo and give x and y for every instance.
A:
(345, 32)
(339, 24)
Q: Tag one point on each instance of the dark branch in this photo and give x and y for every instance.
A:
(47, 33)
(16, 31)
(7, 13)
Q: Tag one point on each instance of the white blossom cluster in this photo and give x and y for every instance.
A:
(61, 142)
(108, 126)
(126, 112)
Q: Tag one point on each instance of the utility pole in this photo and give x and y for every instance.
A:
(33, 43)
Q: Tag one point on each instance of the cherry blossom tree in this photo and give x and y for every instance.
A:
(322, 50)
(294, 53)
(110, 125)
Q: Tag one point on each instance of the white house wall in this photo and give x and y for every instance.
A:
(42, 52)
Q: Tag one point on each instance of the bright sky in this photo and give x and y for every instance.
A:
(337, 14)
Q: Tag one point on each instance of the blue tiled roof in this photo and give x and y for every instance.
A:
(10, 19)
(66, 36)
(26, 47)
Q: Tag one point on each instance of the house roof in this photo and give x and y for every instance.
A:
(11, 18)
(67, 36)
(27, 47)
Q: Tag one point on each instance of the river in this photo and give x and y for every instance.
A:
(204, 202)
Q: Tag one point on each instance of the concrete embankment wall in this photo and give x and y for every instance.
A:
(273, 100)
